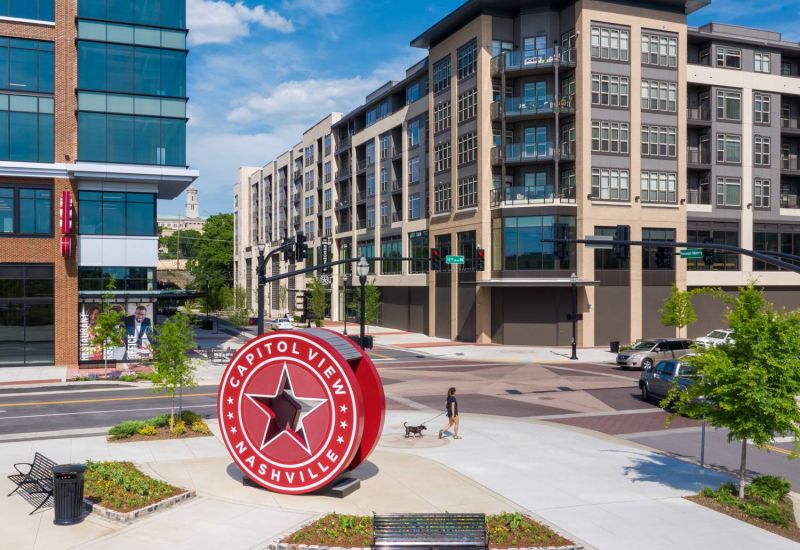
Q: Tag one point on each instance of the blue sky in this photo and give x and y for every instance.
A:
(261, 72)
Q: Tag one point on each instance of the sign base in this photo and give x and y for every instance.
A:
(345, 487)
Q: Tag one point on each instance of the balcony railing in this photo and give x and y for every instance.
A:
(698, 156)
(361, 196)
(700, 195)
(523, 152)
(790, 201)
(361, 165)
(344, 227)
(566, 151)
(521, 106)
(397, 186)
(361, 224)
(790, 163)
(343, 144)
(531, 194)
(397, 152)
(397, 217)
(790, 122)
(343, 203)
(702, 114)
(545, 58)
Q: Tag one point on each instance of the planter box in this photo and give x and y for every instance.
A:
(128, 517)
(287, 546)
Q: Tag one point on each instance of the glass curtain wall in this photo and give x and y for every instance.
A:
(27, 316)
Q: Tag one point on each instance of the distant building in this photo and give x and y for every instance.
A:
(190, 220)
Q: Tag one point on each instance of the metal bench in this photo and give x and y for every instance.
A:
(37, 480)
(429, 531)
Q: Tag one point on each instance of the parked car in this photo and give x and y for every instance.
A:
(281, 323)
(655, 382)
(716, 338)
(646, 353)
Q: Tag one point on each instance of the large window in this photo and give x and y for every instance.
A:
(609, 90)
(442, 197)
(520, 240)
(719, 233)
(129, 34)
(116, 213)
(441, 156)
(26, 128)
(41, 10)
(131, 139)
(26, 65)
(27, 315)
(158, 13)
(761, 108)
(467, 148)
(761, 193)
(125, 278)
(659, 187)
(761, 62)
(761, 150)
(441, 116)
(729, 148)
(26, 210)
(775, 238)
(609, 137)
(413, 133)
(659, 95)
(659, 141)
(441, 75)
(610, 43)
(413, 170)
(729, 105)
(468, 192)
(467, 59)
(131, 69)
(607, 259)
(418, 248)
(391, 247)
(467, 247)
(610, 184)
(729, 191)
(659, 50)
(730, 58)
(414, 206)
(649, 253)
(468, 105)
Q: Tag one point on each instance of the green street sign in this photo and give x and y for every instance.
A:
(692, 253)
(458, 260)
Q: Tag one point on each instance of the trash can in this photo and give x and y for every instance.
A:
(615, 347)
(68, 493)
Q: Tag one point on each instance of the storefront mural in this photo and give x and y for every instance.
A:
(138, 325)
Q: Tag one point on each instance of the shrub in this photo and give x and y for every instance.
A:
(764, 498)
(179, 428)
(161, 421)
(190, 417)
(122, 487)
(147, 429)
(199, 426)
(768, 488)
(126, 429)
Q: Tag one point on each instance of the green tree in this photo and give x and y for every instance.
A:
(172, 368)
(214, 255)
(373, 299)
(283, 298)
(239, 310)
(218, 299)
(749, 387)
(108, 331)
(317, 300)
(678, 310)
(181, 244)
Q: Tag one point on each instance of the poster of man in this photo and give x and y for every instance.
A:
(137, 320)
(139, 327)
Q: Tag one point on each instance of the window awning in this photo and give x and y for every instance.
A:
(554, 282)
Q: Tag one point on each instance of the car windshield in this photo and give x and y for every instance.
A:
(719, 334)
(646, 345)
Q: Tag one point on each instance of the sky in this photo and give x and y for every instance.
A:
(262, 72)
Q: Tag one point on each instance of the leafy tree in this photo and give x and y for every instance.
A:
(317, 299)
(108, 331)
(239, 310)
(182, 244)
(373, 299)
(749, 387)
(172, 368)
(283, 298)
(678, 310)
(218, 299)
(214, 255)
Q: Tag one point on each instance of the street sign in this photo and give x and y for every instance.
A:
(457, 260)
(692, 253)
(600, 238)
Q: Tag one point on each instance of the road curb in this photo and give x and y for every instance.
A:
(55, 434)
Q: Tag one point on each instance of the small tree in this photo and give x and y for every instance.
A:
(678, 310)
(173, 370)
(373, 299)
(283, 298)
(317, 300)
(748, 387)
(109, 330)
(240, 312)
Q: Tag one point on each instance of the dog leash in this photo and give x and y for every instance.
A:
(434, 418)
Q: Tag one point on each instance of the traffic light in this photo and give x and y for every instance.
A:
(480, 259)
(288, 252)
(622, 251)
(561, 251)
(708, 253)
(436, 260)
(301, 249)
(663, 257)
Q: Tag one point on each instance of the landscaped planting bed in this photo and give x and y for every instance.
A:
(188, 424)
(121, 487)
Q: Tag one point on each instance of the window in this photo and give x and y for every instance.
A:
(441, 197)
(441, 156)
(761, 63)
(467, 248)
(413, 133)
(125, 278)
(716, 232)
(517, 243)
(41, 10)
(371, 184)
(659, 187)
(730, 58)
(467, 59)
(659, 50)
(659, 141)
(386, 147)
(659, 95)
(468, 192)
(116, 213)
(607, 259)
(610, 90)
(467, 148)
(157, 13)
(500, 46)
(415, 91)
(131, 139)
(328, 199)
(26, 128)
(414, 206)
(761, 108)
(729, 105)
(761, 190)
(26, 211)
(369, 152)
(130, 34)
(609, 137)
(610, 184)
(309, 180)
(609, 43)
(781, 238)
(729, 148)
(309, 204)
(468, 105)
(729, 191)
(26, 65)
(418, 248)
(649, 253)
(328, 172)
(761, 150)
(326, 144)
(308, 155)
(441, 117)
(441, 75)
(567, 185)
(413, 170)
(328, 226)
(391, 247)
(370, 216)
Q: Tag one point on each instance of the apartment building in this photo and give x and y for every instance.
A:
(532, 119)
(92, 133)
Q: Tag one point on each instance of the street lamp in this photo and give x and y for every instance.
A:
(362, 270)
(573, 281)
(346, 279)
(208, 281)
(261, 271)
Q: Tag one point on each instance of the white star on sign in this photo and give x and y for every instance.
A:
(230, 401)
(340, 440)
(343, 408)
(230, 416)
(233, 429)
(343, 424)
(286, 412)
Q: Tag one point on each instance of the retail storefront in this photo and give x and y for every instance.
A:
(27, 316)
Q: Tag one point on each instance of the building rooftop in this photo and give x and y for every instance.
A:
(740, 33)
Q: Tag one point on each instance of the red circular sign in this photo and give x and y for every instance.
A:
(291, 412)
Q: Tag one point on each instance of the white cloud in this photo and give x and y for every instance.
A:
(220, 22)
(319, 7)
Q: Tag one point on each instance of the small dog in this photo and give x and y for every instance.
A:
(414, 430)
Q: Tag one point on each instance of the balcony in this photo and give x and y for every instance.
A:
(566, 151)
(397, 217)
(343, 174)
(531, 62)
(397, 186)
(699, 158)
(517, 153)
(699, 116)
(361, 165)
(361, 196)
(343, 144)
(790, 164)
(524, 108)
(344, 227)
(397, 153)
(700, 195)
(790, 125)
(361, 224)
(531, 194)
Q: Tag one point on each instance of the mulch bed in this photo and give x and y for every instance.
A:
(161, 434)
(792, 532)
(122, 487)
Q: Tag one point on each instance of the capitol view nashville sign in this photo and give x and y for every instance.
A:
(299, 408)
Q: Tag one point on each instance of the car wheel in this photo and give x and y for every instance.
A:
(647, 364)
(645, 393)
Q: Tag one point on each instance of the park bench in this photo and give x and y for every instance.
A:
(37, 480)
(429, 531)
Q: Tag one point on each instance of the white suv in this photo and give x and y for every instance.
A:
(716, 338)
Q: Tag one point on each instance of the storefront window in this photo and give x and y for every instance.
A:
(27, 316)
(523, 247)
(125, 278)
(117, 213)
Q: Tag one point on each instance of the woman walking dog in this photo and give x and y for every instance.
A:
(452, 415)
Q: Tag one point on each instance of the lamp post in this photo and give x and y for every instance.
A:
(262, 275)
(347, 276)
(362, 270)
(208, 280)
(573, 281)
